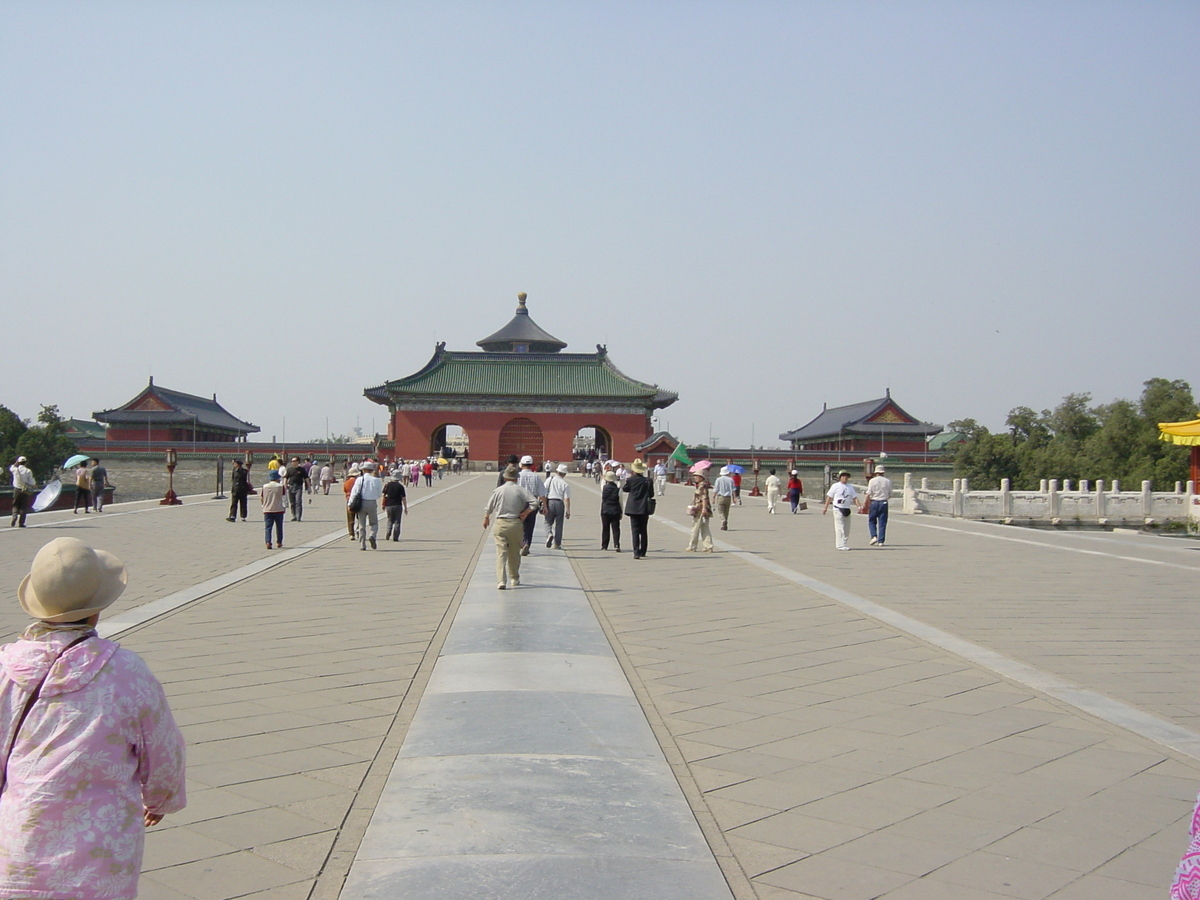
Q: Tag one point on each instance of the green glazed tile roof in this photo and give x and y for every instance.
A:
(520, 374)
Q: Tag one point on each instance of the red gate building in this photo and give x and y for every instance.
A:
(520, 394)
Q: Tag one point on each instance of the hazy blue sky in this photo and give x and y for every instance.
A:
(762, 206)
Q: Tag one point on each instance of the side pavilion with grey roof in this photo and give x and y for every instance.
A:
(869, 427)
(520, 395)
(160, 414)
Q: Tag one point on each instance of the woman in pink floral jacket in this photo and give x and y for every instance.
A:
(91, 754)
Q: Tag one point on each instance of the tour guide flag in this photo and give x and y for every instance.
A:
(680, 454)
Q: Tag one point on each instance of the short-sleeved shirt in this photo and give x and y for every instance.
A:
(879, 488)
(393, 493)
(842, 495)
(508, 501)
(557, 488)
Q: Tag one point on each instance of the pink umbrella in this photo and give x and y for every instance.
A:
(700, 466)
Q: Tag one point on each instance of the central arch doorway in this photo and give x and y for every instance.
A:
(521, 437)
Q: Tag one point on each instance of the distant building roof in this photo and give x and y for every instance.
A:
(521, 335)
(164, 406)
(946, 439)
(82, 428)
(873, 417)
(456, 374)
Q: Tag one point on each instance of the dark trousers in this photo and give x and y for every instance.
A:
(637, 525)
(83, 497)
(20, 507)
(238, 502)
(395, 513)
(794, 498)
(877, 519)
(555, 515)
(610, 522)
(296, 500)
(528, 523)
(275, 519)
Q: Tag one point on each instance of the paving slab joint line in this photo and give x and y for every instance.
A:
(1126, 716)
(140, 616)
(336, 867)
(735, 877)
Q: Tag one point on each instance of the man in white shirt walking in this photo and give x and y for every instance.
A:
(369, 486)
(879, 490)
(558, 506)
(723, 489)
(842, 497)
(24, 487)
(532, 482)
(660, 478)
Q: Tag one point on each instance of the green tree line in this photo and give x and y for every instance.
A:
(1076, 440)
(45, 444)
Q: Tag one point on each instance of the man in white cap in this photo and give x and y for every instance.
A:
(532, 482)
(24, 487)
(723, 489)
(842, 497)
(879, 491)
(369, 487)
(558, 505)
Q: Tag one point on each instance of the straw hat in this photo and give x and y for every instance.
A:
(69, 581)
(610, 476)
(510, 473)
(638, 466)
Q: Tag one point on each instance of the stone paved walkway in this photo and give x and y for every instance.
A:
(825, 754)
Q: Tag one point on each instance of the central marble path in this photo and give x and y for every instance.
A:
(529, 769)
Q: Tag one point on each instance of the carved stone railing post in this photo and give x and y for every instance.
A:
(1053, 492)
(1005, 498)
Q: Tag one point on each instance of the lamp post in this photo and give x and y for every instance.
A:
(171, 499)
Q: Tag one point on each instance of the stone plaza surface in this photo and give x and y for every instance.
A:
(824, 753)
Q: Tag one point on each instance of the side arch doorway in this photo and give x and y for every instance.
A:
(450, 441)
(521, 437)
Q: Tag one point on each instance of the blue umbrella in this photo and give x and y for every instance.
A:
(736, 470)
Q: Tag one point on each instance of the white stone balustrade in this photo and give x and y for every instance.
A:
(1094, 503)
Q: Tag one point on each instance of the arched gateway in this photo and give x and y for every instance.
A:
(520, 391)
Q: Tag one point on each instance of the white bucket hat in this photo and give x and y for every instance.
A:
(562, 469)
(69, 581)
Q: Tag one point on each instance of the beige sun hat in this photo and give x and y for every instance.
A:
(69, 581)
(610, 475)
(638, 466)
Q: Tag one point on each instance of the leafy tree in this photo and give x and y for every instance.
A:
(1118, 440)
(46, 444)
(11, 429)
(968, 428)
(1026, 426)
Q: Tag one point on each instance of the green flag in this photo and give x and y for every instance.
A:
(680, 455)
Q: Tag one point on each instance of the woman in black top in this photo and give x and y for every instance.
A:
(610, 512)
(637, 507)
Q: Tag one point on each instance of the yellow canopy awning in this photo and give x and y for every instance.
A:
(1186, 433)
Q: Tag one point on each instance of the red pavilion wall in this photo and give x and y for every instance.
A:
(413, 430)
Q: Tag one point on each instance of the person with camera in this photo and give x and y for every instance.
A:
(843, 497)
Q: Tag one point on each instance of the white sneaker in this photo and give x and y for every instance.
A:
(874, 540)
